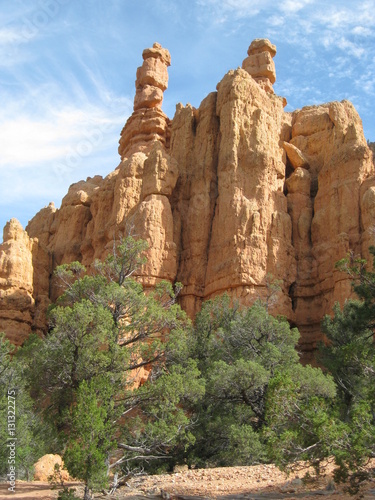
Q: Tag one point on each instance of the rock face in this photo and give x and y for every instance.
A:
(230, 196)
(16, 282)
(330, 207)
(24, 284)
(44, 468)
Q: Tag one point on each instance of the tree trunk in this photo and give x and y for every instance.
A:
(87, 495)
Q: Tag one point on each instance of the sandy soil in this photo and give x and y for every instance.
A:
(256, 482)
(33, 491)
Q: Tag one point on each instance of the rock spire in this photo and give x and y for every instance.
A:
(259, 63)
(148, 123)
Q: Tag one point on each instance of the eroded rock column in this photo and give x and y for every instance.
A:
(154, 219)
(148, 123)
(327, 139)
(259, 63)
(252, 230)
(17, 304)
(194, 143)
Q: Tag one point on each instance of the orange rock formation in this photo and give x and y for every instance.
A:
(44, 468)
(226, 194)
(148, 123)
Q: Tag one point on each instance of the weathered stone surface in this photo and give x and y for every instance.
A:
(160, 173)
(229, 196)
(194, 144)
(331, 138)
(251, 230)
(45, 467)
(148, 124)
(154, 221)
(367, 210)
(24, 283)
(152, 77)
(143, 128)
(295, 156)
(16, 282)
(259, 63)
(260, 45)
(40, 226)
(16, 261)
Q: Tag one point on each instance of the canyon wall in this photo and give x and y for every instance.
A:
(232, 197)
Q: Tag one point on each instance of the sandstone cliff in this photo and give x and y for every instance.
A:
(230, 196)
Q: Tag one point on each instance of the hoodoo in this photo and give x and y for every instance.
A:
(148, 123)
(230, 196)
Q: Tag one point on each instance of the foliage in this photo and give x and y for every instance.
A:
(349, 355)
(129, 384)
(32, 436)
(259, 403)
(67, 494)
(301, 424)
(57, 482)
(89, 440)
(85, 374)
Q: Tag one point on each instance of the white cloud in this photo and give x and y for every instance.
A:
(223, 9)
(48, 143)
(362, 31)
(29, 140)
(10, 36)
(335, 41)
(11, 40)
(276, 21)
(56, 115)
(293, 6)
(342, 19)
(349, 47)
(366, 82)
(251, 8)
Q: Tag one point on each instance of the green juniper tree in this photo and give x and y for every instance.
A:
(33, 437)
(259, 400)
(349, 355)
(104, 329)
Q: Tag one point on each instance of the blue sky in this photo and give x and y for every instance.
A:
(67, 72)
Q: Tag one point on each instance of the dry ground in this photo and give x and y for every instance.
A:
(257, 482)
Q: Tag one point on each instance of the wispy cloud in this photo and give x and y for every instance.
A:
(334, 41)
(50, 139)
(362, 31)
(342, 18)
(224, 9)
(251, 8)
(24, 24)
(334, 24)
(10, 36)
(276, 21)
(293, 6)
(28, 139)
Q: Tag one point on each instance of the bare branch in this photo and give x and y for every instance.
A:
(137, 449)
